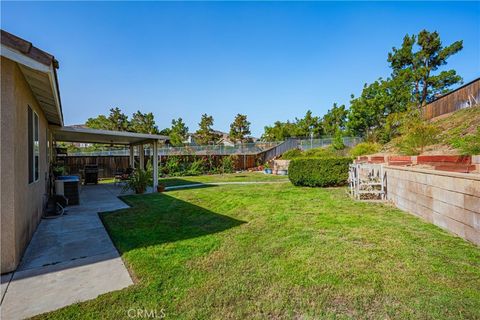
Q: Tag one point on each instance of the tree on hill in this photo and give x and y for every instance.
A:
(279, 131)
(143, 123)
(417, 68)
(302, 127)
(335, 119)
(178, 132)
(307, 125)
(165, 131)
(205, 133)
(101, 122)
(411, 85)
(116, 120)
(240, 128)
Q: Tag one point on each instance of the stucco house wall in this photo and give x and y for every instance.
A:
(21, 202)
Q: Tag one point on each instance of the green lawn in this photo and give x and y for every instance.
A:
(233, 177)
(278, 251)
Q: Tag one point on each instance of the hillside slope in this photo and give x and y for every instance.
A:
(452, 128)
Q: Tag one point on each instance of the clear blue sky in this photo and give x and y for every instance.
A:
(271, 61)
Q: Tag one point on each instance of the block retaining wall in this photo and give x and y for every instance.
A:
(447, 199)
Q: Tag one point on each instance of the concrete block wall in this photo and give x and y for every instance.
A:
(447, 199)
(280, 165)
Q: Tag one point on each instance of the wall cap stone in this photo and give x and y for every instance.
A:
(469, 176)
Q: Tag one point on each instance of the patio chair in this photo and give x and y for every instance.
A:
(118, 176)
(122, 175)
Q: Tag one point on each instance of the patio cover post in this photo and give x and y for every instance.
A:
(132, 157)
(155, 165)
(141, 153)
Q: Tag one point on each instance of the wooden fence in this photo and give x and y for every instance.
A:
(463, 97)
(108, 165)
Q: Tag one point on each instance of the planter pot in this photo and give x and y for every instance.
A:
(282, 172)
(139, 190)
(267, 171)
(160, 188)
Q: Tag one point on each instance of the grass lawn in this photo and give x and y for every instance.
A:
(230, 177)
(233, 177)
(278, 251)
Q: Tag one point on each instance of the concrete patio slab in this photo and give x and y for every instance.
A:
(70, 259)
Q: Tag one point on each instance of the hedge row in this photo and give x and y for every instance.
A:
(319, 172)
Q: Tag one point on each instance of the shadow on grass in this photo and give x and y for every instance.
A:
(158, 218)
(171, 182)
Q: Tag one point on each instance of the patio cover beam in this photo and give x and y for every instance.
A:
(87, 135)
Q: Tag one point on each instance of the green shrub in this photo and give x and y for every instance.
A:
(417, 134)
(227, 165)
(327, 152)
(319, 172)
(337, 143)
(469, 144)
(196, 168)
(292, 154)
(172, 165)
(364, 148)
(139, 180)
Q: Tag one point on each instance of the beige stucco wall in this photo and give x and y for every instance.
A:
(447, 199)
(20, 203)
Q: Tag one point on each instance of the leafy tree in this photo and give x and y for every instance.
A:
(307, 125)
(101, 122)
(205, 134)
(116, 120)
(166, 131)
(279, 131)
(337, 143)
(368, 113)
(416, 134)
(178, 132)
(143, 123)
(299, 128)
(417, 67)
(335, 119)
(240, 128)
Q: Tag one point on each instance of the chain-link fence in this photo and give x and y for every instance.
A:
(305, 144)
(238, 149)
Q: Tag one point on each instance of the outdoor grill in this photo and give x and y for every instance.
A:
(90, 172)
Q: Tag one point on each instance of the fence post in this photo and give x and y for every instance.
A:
(155, 165)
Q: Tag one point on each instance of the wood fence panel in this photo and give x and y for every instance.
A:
(464, 97)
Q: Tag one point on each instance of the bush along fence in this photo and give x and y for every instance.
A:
(319, 172)
(108, 165)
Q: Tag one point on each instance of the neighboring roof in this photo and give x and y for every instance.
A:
(73, 134)
(39, 69)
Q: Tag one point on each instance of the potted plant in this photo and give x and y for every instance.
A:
(161, 187)
(267, 169)
(139, 181)
(58, 170)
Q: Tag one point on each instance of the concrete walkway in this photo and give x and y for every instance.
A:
(69, 259)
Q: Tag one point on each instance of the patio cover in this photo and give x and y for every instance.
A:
(87, 135)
